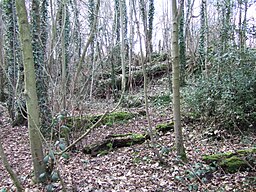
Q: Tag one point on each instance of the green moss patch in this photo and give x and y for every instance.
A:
(113, 141)
(165, 127)
(84, 122)
(232, 162)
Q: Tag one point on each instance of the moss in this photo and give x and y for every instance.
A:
(120, 135)
(110, 145)
(137, 137)
(233, 164)
(84, 122)
(165, 127)
(216, 157)
(103, 152)
(232, 161)
(161, 100)
(246, 151)
(117, 117)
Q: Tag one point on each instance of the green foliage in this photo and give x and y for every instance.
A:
(117, 117)
(49, 188)
(161, 100)
(151, 13)
(131, 101)
(159, 57)
(182, 45)
(199, 171)
(228, 94)
(233, 164)
(13, 61)
(137, 137)
(4, 190)
(202, 43)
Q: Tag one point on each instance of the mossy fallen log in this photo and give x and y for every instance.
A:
(231, 162)
(84, 122)
(113, 141)
(165, 127)
(153, 72)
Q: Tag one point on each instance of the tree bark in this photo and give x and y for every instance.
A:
(122, 46)
(8, 168)
(176, 83)
(1, 57)
(145, 86)
(30, 91)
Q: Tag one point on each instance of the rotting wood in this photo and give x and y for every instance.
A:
(114, 141)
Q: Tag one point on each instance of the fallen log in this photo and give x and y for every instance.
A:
(84, 122)
(231, 162)
(114, 141)
(153, 72)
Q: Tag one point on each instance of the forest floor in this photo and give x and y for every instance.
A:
(133, 168)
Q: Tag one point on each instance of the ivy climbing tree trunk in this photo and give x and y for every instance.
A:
(1, 57)
(202, 40)
(39, 34)
(182, 44)
(151, 13)
(12, 58)
(30, 91)
(176, 83)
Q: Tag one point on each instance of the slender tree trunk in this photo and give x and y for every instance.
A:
(182, 45)
(122, 46)
(130, 45)
(151, 13)
(30, 91)
(8, 168)
(63, 57)
(90, 39)
(1, 57)
(39, 38)
(12, 55)
(202, 41)
(176, 83)
(142, 61)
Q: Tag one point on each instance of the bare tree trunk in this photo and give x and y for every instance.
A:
(142, 60)
(122, 46)
(176, 83)
(63, 58)
(8, 168)
(131, 45)
(90, 39)
(30, 91)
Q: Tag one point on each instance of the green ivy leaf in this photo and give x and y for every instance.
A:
(49, 188)
(54, 177)
(46, 159)
(42, 177)
(51, 154)
(62, 146)
(4, 190)
(65, 156)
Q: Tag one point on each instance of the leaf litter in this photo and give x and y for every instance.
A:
(133, 168)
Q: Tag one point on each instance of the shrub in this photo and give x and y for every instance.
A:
(228, 94)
